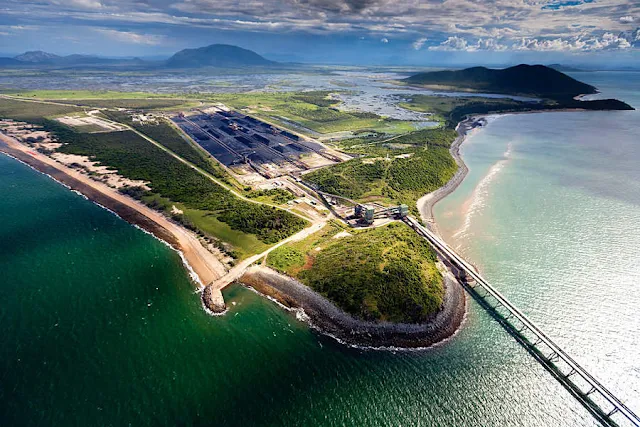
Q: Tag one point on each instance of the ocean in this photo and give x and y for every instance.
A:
(101, 324)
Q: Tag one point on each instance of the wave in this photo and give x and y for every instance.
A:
(481, 192)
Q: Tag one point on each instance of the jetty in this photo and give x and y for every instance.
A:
(608, 409)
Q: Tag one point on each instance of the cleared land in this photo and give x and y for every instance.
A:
(382, 274)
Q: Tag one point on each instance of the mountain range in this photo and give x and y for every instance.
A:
(215, 55)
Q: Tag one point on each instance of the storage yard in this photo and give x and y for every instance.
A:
(240, 142)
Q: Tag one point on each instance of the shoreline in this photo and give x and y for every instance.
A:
(326, 318)
(428, 201)
(201, 265)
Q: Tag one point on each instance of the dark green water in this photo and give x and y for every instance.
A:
(101, 326)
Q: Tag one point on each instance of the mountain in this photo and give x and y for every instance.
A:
(217, 55)
(37, 56)
(9, 62)
(47, 60)
(533, 80)
(564, 68)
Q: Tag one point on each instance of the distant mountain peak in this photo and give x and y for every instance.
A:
(523, 79)
(36, 56)
(217, 55)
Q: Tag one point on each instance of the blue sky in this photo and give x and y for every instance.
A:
(359, 31)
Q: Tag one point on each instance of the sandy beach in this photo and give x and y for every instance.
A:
(427, 202)
(199, 260)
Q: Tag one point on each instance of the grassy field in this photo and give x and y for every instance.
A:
(32, 112)
(153, 104)
(86, 94)
(383, 274)
(311, 110)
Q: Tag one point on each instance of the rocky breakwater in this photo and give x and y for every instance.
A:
(213, 300)
(327, 318)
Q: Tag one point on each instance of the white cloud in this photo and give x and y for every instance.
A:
(83, 4)
(487, 25)
(417, 45)
(131, 37)
(451, 43)
(458, 43)
(607, 41)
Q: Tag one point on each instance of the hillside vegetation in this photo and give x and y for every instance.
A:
(536, 80)
(382, 274)
(418, 163)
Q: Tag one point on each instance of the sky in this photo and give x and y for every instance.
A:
(403, 32)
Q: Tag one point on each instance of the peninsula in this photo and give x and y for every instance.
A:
(257, 187)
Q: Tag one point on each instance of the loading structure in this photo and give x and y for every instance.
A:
(369, 213)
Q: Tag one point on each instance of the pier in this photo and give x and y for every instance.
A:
(600, 402)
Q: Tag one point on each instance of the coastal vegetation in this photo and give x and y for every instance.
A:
(452, 110)
(383, 274)
(206, 206)
(32, 112)
(398, 170)
(137, 159)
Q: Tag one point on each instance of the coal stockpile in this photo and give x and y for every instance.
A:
(261, 138)
(290, 135)
(227, 130)
(246, 141)
(231, 137)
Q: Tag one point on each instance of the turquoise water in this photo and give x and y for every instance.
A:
(101, 325)
(550, 213)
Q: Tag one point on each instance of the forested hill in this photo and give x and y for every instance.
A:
(217, 55)
(534, 80)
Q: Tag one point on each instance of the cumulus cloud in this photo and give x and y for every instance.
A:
(86, 4)
(417, 45)
(608, 41)
(131, 37)
(487, 25)
(384, 40)
(457, 43)
(451, 43)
